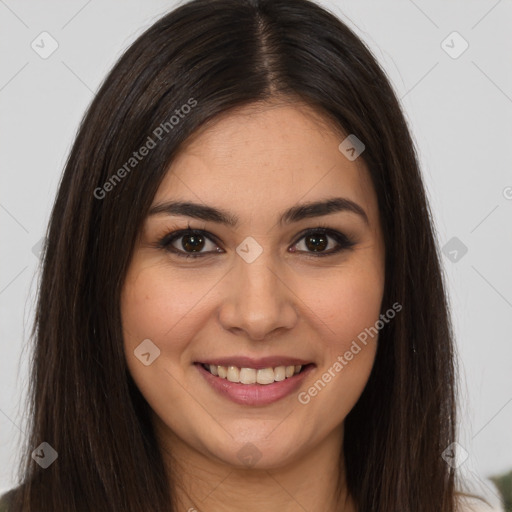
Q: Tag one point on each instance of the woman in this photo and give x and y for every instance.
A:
(241, 304)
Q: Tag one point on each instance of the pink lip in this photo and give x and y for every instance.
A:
(254, 394)
(263, 362)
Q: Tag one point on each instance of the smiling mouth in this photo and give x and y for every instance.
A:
(263, 376)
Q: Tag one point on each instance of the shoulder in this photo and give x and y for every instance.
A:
(5, 500)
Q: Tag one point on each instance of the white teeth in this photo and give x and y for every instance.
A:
(233, 374)
(247, 375)
(265, 376)
(253, 376)
(280, 373)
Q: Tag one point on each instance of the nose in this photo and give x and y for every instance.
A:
(257, 301)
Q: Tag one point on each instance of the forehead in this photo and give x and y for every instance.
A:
(267, 157)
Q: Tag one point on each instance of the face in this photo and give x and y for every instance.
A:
(278, 300)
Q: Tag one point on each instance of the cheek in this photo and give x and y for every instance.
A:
(355, 307)
(159, 305)
(164, 307)
(154, 306)
(347, 305)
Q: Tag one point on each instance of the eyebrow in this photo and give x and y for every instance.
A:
(293, 214)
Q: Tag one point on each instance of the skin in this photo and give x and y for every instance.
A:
(256, 162)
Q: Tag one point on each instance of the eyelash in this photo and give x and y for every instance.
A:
(165, 243)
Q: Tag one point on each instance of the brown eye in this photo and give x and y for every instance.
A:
(189, 243)
(318, 240)
(193, 243)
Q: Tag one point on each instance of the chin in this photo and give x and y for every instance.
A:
(258, 453)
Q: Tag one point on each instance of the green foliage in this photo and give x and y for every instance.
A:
(504, 485)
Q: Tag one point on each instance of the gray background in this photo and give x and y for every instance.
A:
(459, 110)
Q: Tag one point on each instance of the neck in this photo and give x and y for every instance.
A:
(310, 482)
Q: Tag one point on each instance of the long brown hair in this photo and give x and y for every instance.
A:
(215, 55)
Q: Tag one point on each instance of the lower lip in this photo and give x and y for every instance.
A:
(255, 394)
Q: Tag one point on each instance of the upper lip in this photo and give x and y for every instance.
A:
(249, 362)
